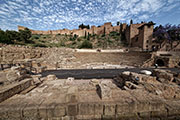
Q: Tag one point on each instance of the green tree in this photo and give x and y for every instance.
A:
(4, 38)
(13, 35)
(85, 34)
(25, 35)
(88, 37)
(118, 23)
(82, 26)
(104, 32)
(131, 21)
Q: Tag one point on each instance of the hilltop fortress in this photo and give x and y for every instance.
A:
(137, 35)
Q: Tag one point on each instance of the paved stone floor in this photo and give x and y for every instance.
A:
(79, 99)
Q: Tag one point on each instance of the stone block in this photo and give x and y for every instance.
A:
(160, 114)
(55, 118)
(104, 91)
(133, 107)
(68, 118)
(142, 78)
(15, 68)
(36, 79)
(3, 114)
(72, 110)
(86, 109)
(30, 112)
(173, 112)
(69, 81)
(108, 117)
(94, 82)
(122, 108)
(88, 117)
(51, 77)
(98, 109)
(59, 111)
(50, 111)
(42, 112)
(163, 74)
(12, 76)
(109, 109)
(143, 106)
(144, 115)
(157, 106)
(127, 116)
(14, 89)
(72, 90)
(71, 98)
(15, 113)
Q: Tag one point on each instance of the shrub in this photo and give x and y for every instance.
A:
(39, 45)
(114, 33)
(35, 36)
(86, 44)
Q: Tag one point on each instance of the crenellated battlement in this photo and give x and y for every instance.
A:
(137, 35)
(107, 28)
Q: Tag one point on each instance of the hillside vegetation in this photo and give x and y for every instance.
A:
(112, 40)
(24, 37)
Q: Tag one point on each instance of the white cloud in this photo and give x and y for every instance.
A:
(55, 13)
(144, 17)
(3, 12)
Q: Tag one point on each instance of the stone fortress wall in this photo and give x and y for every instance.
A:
(80, 32)
(137, 35)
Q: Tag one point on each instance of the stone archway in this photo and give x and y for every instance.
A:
(160, 62)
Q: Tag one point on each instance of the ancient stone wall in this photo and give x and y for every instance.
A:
(11, 54)
(21, 27)
(135, 37)
(64, 58)
(147, 40)
(134, 31)
(143, 98)
(127, 34)
(80, 32)
(141, 36)
(164, 59)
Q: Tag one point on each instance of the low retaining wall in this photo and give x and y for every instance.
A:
(98, 111)
(99, 50)
(13, 89)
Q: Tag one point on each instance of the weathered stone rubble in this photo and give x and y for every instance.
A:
(15, 80)
(163, 59)
(12, 75)
(40, 59)
(128, 96)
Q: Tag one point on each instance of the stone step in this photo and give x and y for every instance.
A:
(12, 89)
(28, 89)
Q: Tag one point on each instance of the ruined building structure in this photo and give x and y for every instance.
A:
(137, 35)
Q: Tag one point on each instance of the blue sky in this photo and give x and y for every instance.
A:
(59, 14)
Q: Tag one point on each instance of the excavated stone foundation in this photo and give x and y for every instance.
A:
(124, 97)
